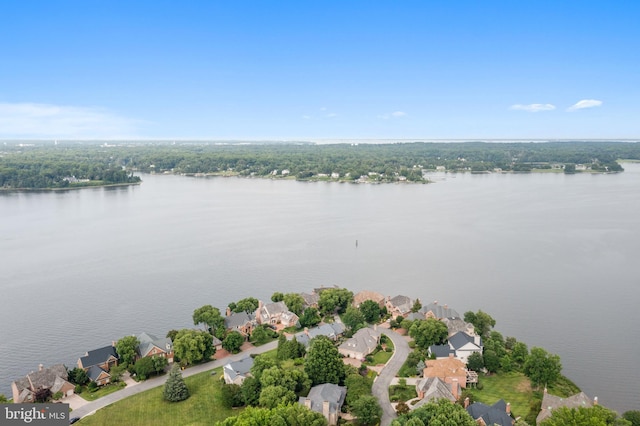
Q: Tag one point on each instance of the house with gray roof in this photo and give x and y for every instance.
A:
(399, 305)
(236, 372)
(460, 345)
(103, 359)
(437, 311)
(150, 345)
(497, 414)
(332, 331)
(54, 378)
(310, 300)
(326, 399)
(276, 313)
(552, 402)
(363, 342)
(432, 388)
(241, 322)
(457, 324)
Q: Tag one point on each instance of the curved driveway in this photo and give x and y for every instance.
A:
(90, 407)
(380, 387)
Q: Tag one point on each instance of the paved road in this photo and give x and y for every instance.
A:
(159, 381)
(380, 387)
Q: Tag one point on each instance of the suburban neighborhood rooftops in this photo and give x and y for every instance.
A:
(98, 356)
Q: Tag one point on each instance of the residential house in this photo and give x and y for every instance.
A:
(150, 345)
(332, 331)
(457, 324)
(236, 372)
(327, 399)
(217, 343)
(498, 414)
(363, 296)
(54, 378)
(432, 388)
(437, 311)
(98, 362)
(399, 305)
(276, 313)
(552, 402)
(310, 300)
(363, 342)
(460, 345)
(450, 370)
(241, 322)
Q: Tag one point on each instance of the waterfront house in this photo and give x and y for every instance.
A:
(241, 322)
(437, 311)
(150, 345)
(450, 370)
(363, 342)
(552, 402)
(276, 313)
(236, 372)
(331, 331)
(432, 388)
(363, 296)
(497, 414)
(98, 362)
(326, 399)
(310, 300)
(460, 345)
(54, 378)
(399, 305)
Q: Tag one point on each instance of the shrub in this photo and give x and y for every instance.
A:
(57, 395)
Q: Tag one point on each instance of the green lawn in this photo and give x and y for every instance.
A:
(101, 391)
(514, 388)
(402, 393)
(149, 408)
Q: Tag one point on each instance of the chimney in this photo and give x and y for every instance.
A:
(508, 409)
(595, 401)
(228, 311)
(40, 367)
(466, 402)
(113, 343)
(454, 388)
(306, 331)
(325, 409)
(260, 304)
(545, 389)
(307, 403)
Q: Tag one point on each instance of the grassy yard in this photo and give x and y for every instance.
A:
(149, 408)
(514, 388)
(402, 393)
(101, 391)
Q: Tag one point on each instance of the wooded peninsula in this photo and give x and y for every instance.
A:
(71, 164)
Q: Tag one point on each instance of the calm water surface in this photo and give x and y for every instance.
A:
(552, 258)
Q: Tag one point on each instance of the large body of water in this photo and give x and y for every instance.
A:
(553, 258)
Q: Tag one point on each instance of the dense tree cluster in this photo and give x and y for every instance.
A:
(42, 165)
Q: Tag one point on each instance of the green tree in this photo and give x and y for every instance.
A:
(491, 360)
(357, 386)
(261, 335)
(282, 415)
(191, 346)
(294, 302)
(367, 410)
(334, 300)
(249, 304)
(116, 372)
(251, 391)
(592, 416)
(277, 297)
(143, 368)
(428, 332)
(520, 353)
(159, 363)
(417, 305)
(211, 318)
(309, 317)
(271, 396)
(233, 342)
(542, 368)
(171, 334)
(323, 363)
(632, 416)
(475, 361)
(231, 395)
(3, 399)
(482, 322)
(441, 412)
(370, 310)
(175, 389)
(353, 318)
(78, 376)
(126, 349)
(261, 363)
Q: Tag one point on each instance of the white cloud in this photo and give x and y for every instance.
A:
(533, 107)
(585, 103)
(306, 117)
(395, 114)
(61, 121)
(331, 115)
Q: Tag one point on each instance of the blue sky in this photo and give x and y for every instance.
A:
(319, 69)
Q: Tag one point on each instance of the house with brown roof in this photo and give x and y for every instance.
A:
(450, 370)
(54, 379)
(363, 296)
(399, 305)
(552, 402)
(432, 388)
(310, 300)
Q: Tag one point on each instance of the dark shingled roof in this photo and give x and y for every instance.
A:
(494, 415)
(98, 356)
(441, 351)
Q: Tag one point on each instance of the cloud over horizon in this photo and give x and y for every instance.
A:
(395, 114)
(62, 121)
(585, 103)
(533, 107)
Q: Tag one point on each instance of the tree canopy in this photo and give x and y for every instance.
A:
(482, 322)
(441, 412)
(282, 415)
(583, 416)
(211, 318)
(126, 349)
(541, 367)
(428, 332)
(334, 300)
(175, 389)
(191, 346)
(323, 363)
